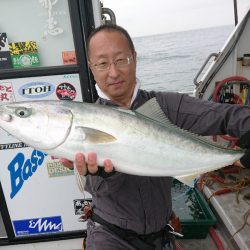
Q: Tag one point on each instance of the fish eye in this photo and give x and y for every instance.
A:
(23, 112)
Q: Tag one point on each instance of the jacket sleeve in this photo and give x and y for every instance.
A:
(205, 117)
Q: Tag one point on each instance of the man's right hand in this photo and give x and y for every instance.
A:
(244, 143)
(87, 166)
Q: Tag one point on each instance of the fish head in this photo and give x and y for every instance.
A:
(39, 124)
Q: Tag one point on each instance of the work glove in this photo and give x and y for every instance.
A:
(244, 142)
(101, 172)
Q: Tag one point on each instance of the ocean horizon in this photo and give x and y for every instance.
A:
(170, 61)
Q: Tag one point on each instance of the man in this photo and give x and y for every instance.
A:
(131, 212)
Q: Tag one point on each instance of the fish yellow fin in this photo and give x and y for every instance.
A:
(187, 179)
(94, 136)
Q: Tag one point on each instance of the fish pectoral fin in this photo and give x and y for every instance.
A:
(187, 179)
(94, 136)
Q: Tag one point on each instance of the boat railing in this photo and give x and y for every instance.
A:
(215, 55)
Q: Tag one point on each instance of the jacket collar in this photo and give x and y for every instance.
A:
(102, 95)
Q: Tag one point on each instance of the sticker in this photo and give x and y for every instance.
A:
(19, 48)
(13, 145)
(69, 76)
(21, 169)
(5, 58)
(79, 205)
(4, 45)
(51, 26)
(69, 57)
(66, 91)
(56, 169)
(35, 90)
(38, 226)
(24, 54)
(6, 92)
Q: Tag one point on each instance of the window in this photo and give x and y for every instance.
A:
(38, 33)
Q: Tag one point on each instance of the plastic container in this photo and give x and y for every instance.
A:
(193, 210)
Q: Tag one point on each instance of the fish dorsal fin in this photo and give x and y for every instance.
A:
(151, 109)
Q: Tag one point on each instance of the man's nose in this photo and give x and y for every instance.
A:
(113, 70)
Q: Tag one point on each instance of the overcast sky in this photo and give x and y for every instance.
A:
(145, 17)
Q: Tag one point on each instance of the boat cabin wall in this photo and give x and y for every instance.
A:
(232, 60)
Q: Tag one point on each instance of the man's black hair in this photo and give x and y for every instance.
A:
(112, 28)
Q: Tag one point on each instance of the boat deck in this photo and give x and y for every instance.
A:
(232, 211)
(198, 244)
(230, 215)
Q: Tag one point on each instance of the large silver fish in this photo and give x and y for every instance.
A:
(143, 142)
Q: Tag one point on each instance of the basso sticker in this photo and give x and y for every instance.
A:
(38, 225)
(22, 169)
(66, 91)
(35, 90)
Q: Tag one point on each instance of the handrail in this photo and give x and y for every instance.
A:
(202, 67)
(110, 13)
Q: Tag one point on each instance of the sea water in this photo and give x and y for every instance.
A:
(170, 62)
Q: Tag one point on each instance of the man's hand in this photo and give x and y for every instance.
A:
(245, 159)
(238, 164)
(87, 166)
(244, 142)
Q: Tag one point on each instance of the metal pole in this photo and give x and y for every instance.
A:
(235, 13)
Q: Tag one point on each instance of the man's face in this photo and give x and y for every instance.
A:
(117, 82)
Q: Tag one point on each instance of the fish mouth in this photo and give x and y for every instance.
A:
(5, 117)
(43, 127)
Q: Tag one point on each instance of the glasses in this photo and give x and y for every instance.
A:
(119, 63)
